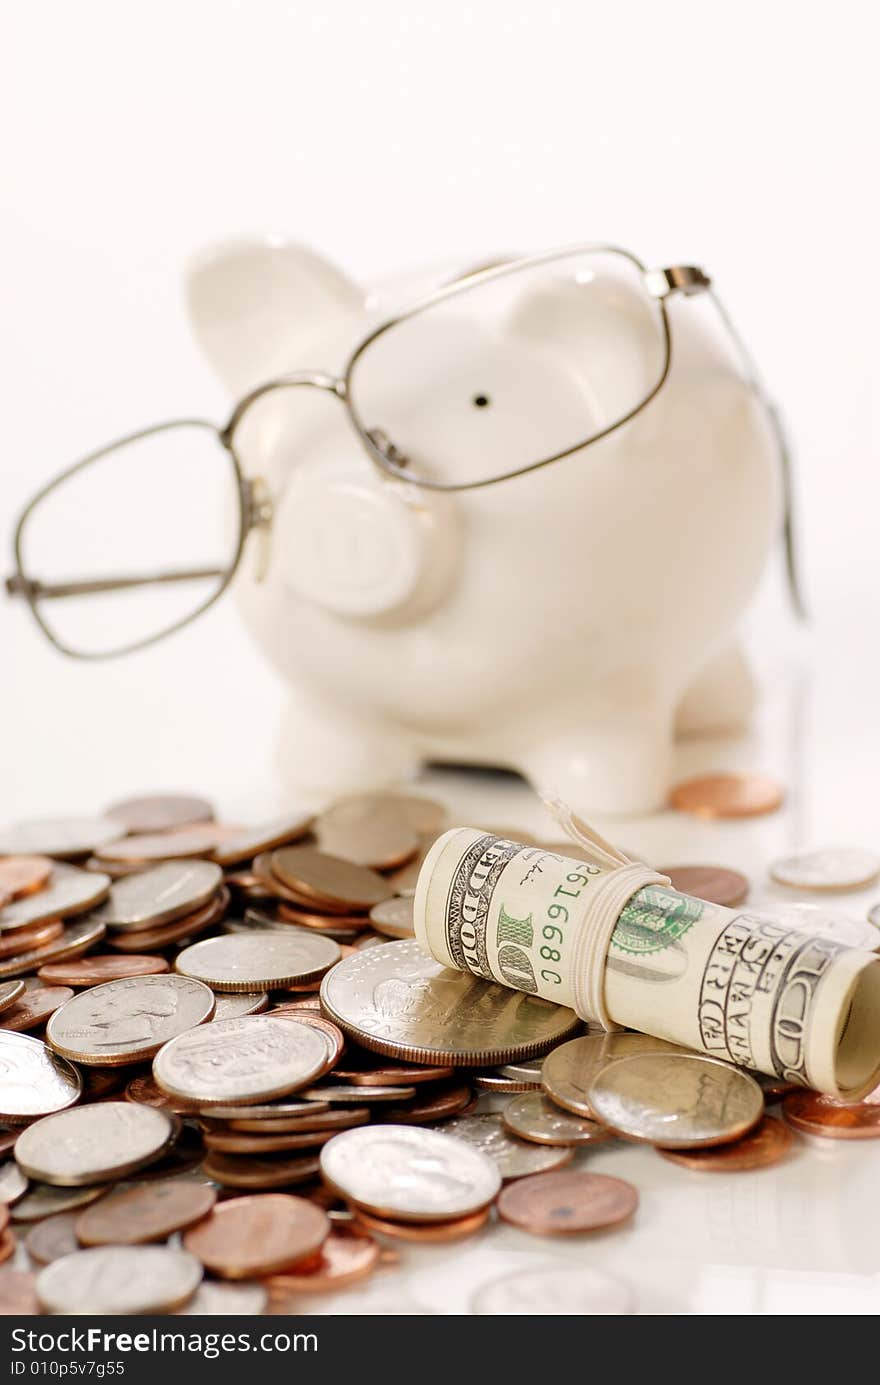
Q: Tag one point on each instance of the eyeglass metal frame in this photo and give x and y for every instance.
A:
(255, 511)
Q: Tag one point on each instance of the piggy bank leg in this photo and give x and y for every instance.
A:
(326, 752)
(721, 698)
(617, 766)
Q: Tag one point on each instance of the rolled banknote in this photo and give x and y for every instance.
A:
(589, 933)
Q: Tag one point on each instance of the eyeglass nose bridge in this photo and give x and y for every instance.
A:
(312, 379)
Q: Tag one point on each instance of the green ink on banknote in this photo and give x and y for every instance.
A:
(654, 919)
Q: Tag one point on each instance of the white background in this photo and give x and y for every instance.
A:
(741, 136)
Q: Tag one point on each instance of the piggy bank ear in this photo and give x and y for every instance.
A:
(258, 306)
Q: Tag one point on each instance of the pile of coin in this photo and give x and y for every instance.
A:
(229, 1079)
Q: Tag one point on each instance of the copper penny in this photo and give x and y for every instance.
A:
(159, 812)
(426, 1232)
(237, 1142)
(837, 1120)
(8, 1243)
(347, 1255)
(48, 1240)
(18, 1296)
(328, 880)
(34, 1007)
(546, 1204)
(75, 939)
(323, 923)
(766, 1144)
(147, 1212)
(727, 795)
(145, 1091)
(7, 1140)
(35, 935)
(432, 1106)
(162, 846)
(391, 1074)
(717, 884)
(21, 875)
(271, 1171)
(308, 1003)
(165, 933)
(341, 1119)
(99, 1083)
(367, 831)
(91, 971)
(247, 1237)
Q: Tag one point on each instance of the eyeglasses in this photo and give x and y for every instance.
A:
(496, 375)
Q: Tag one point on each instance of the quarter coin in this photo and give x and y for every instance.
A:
(569, 1070)
(727, 796)
(10, 992)
(159, 812)
(33, 936)
(533, 1117)
(61, 837)
(831, 868)
(838, 1120)
(35, 1081)
(129, 1020)
(554, 1291)
(119, 1280)
(160, 894)
(409, 1173)
(676, 1100)
(35, 1007)
(94, 970)
(145, 1212)
(69, 891)
(93, 1144)
(248, 1237)
(765, 1144)
(182, 929)
(513, 1157)
(329, 881)
(76, 939)
(396, 1001)
(717, 884)
(394, 917)
(346, 1256)
(21, 875)
(240, 962)
(241, 1060)
(554, 1203)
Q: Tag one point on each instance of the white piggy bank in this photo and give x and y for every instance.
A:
(565, 623)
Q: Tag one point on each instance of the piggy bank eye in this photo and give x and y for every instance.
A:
(481, 401)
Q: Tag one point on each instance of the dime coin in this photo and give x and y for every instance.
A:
(237, 962)
(236, 1142)
(514, 1158)
(727, 796)
(533, 1117)
(76, 939)
(368, 832)
(17, 1293)
(248, 1237)
(62, 837)
(128, 1020)
(119, 1279)
(10, 992)
(241, 1060)
(717, 884)
(677, 1100)
(346, 1256)
(159, 812)
(433, 1105)
(409, 1173)
(394, 917)
(160, 894)
(765, 1144)
(42, 1200)
(271, 1171)
(93, 1144)
(439, 1231)
(13, 1183)
(395, 1000)
(390, 1074)
(554, 1291)
(93, 970)
(831, 868)
(35, 1081)
(21, 875)
(50, 1239)
(529, 1071)
(146, 1212)
(329, 881)
(495, 1082)
(219, 1298)
(33, 936)
(71, 892)
(569, 1070)
(162, 846)
(35, 1007)
(266, 836)
(232, 1005)
(553, 1203)
(182, 929)
(838, 1120)
(340, 1092)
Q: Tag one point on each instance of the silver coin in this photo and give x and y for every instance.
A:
(410, 1172)
(831, 923)
(119, 1279)
(13, 1183)
(237, 962)
(829, 868)
(264, 836)
(213, 1298)
(533, 1117)
(241, 1061)
(394, 917)
(676, 1100)
(232, 1005)
(529, 1071)
(269, 1111)
(514, 1158)
(568, 1290)
(149, 813)
(128, 1020)
(76, 939)
(94, 1144)
(63, 837)
(42, 1200)
(9, 993)
(160, 894)
(69, 891)
(341, 1094)
(34, 1081)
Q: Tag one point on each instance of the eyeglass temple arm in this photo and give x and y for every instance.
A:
(35, 590)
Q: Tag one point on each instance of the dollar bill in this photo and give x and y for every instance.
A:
(738, 985)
